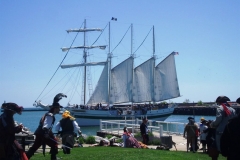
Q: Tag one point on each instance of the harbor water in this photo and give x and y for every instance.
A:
(31, 120)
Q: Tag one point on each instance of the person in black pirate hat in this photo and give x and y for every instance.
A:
(230, 140)
(8, 148)
(190, 129)
(44, 135)
(223, 114)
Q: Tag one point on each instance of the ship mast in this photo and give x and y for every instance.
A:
(153, 95)
(132, 54)
(85, 48)
(109, 66)
(85, 61)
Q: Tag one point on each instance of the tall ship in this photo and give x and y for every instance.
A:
(123, 91)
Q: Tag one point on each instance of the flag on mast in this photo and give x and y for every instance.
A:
(175, 53)
(114, 19)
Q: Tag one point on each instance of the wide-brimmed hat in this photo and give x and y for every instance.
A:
(202, 119)
(66, 114)
(222, 99)
(56, 105)
(238, 100)
(190, 118)
(56, 99)
(12, 107)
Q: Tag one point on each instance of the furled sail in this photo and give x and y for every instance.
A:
(83, 64)
(121, 82)
(143, 90)
(100, 94)
(166, 82)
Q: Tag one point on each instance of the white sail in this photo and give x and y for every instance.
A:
(121, 82)
(100, 94)
(143, 82)
(166, 82)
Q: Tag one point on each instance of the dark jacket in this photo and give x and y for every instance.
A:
(7, 136)
(67, 126)
(143, 129)
(40, 130)
(210, 138)
(230, 140)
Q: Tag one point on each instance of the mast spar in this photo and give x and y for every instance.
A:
(85, 48)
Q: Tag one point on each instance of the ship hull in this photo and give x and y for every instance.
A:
(93, 117)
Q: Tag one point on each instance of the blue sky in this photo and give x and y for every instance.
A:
(205, 33)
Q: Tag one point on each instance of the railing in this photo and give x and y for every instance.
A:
(116, 126)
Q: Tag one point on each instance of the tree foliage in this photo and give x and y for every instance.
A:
(186, 101)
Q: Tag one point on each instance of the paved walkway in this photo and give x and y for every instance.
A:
(181, 143)
(179, 140)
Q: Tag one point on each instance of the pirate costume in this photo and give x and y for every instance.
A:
(44, 134)
(223, 114)
(68, 125)
(230, 140)
(9, 147)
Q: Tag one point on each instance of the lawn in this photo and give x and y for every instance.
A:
(118, 153)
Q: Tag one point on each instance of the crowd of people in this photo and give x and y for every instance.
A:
(10, 148)
(67, 127)
(144, 107)
(219, 136)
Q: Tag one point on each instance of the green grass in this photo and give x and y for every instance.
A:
(118, 153)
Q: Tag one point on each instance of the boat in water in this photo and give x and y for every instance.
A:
(124, 91)
(41, 105)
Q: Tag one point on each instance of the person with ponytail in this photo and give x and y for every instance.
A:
(224, 113)
(68, 127)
